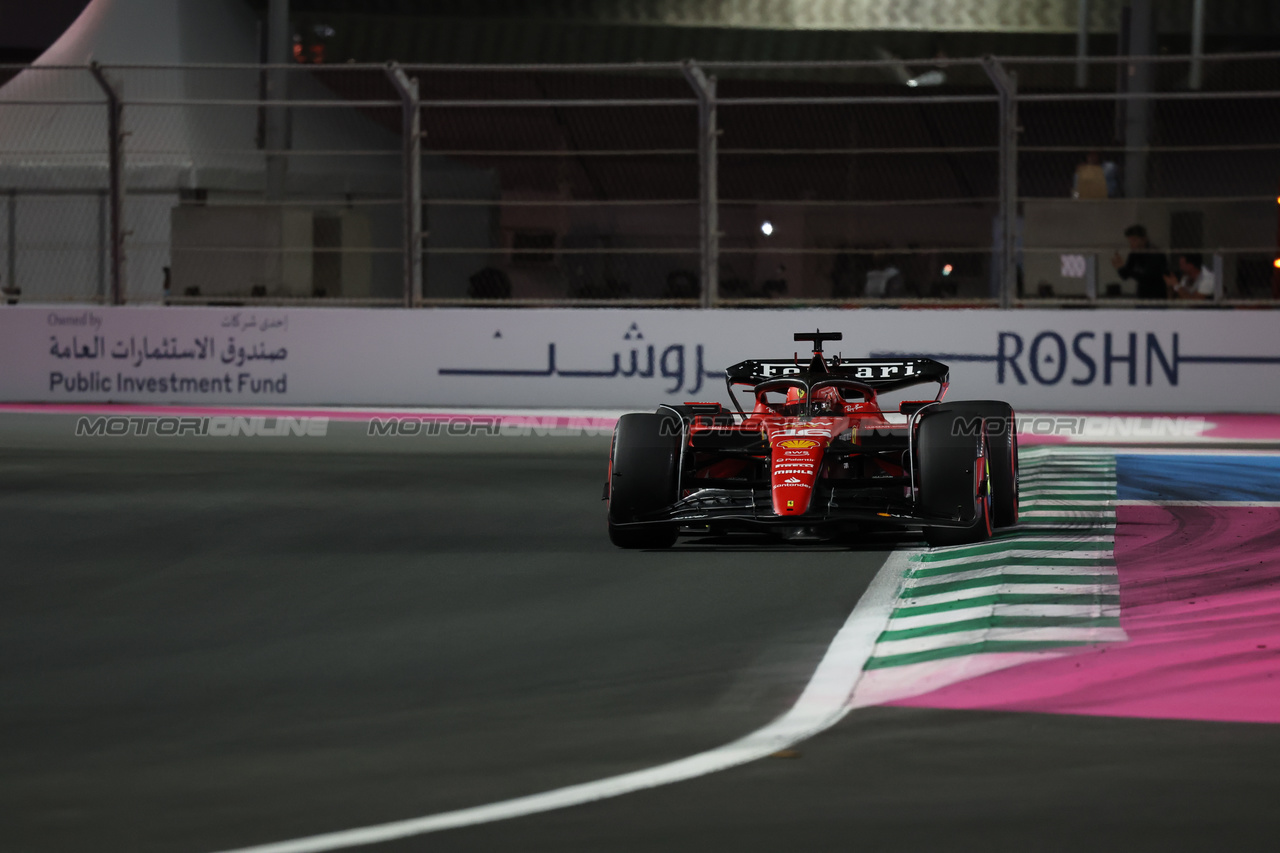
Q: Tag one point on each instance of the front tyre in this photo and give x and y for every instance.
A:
(644, 468)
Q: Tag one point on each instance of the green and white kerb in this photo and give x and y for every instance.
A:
(1048, 583)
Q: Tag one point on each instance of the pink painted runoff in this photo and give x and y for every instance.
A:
(1200, 600)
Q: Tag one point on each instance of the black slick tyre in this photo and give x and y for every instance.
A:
(952, 458)
(1001, 433)
(644, 468)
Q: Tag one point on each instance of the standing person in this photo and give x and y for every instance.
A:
(1145, 265)
(1091, 178)
(1096, 178)
(882, 278)
(1196, 282)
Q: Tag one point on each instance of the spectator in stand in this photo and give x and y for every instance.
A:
(1096, 178)
(883, 279)
(1145, 265)
(1196, 282)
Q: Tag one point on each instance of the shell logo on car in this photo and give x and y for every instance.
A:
(797, 443)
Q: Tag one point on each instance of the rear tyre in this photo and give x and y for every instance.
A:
(1001, 432)
(644, 468)
(953, 473)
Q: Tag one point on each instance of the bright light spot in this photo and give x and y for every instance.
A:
(1277, 263)
(946, 269)
(929, 78)
(766, 228)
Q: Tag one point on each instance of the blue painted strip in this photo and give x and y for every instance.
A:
(1198, 478)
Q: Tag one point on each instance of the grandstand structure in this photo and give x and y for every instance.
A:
(518, 152)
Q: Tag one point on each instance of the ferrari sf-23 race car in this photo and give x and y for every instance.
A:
(816, 457)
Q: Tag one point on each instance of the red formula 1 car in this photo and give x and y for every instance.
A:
(815, 456)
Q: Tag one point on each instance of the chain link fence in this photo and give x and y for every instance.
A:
(1189, 151)
(837, 183)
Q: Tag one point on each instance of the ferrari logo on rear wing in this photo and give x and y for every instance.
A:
(878, 373)
(860, 369)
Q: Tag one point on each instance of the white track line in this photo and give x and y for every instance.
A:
(1002, 571)
(1078, 462)
(1046, 543)
(925, 598)
(1047, 611)
(1201, 450)
(1065, 487)
(1073, 465)
(1013, 554)
(1044, 485)
(1057, 634)
(1228, 504)
(824, 702)
(1086, 474)
(1021, 556)
(1094, 494)
(1065, 496)
(1063, 512)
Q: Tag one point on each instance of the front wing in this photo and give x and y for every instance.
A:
(836, 506)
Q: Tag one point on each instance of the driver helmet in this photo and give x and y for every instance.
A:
(828, 400)
(795, 401)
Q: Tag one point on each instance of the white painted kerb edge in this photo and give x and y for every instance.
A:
(824, 702)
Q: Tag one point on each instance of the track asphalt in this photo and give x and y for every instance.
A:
(207, 650)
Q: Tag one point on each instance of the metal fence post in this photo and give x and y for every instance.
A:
(115, 177)
(1197, 45)
(1006, 84)
(708, 184)
(411, 129)
(1082, 44)
(102, 246)
(1137, 111)
(11, 262)
(276, 116)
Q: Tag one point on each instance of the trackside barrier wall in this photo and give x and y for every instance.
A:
(1114, 361)
(719, 184)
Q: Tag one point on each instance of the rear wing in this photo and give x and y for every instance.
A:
(882, 374)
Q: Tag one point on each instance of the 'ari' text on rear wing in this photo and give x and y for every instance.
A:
(881, 374)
